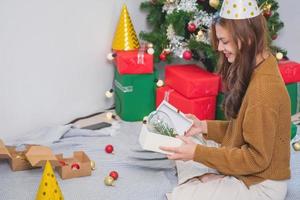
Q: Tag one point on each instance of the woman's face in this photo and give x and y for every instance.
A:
(225, 43)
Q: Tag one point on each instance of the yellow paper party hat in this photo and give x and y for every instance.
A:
(125, 36)
(239, 9)
(49, 188)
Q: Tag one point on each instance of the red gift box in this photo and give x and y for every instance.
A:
(203, 107)
(192, 81)
(290, 71)
(133, 62)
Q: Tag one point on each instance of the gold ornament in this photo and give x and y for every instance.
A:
(199, 36)
(214, 3)
(296, 146)
(93, 165)
(108, 181)
(125, 35)
(279, 56)
(150, 45)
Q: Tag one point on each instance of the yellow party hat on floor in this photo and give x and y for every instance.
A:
(125, 36)
(49, 188)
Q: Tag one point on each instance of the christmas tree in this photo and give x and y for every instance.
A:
(180, 28)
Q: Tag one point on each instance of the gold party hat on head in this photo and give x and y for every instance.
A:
(239, 9)
(125, 36)
(49, 188)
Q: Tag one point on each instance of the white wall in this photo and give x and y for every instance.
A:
(289, 36)
(53, 65)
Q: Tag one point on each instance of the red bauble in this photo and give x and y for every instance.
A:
(187, 55)
(163, 57)
(114, 175)
(267, 13)
(109, 148)
(274, 37)
(75, 166)
(191, 27)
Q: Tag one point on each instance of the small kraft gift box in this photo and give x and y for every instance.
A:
(77, 166)
(31, 156)
(150, 137)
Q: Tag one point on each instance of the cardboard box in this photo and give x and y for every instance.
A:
(39, 155)
(152, 141)
(65, 168)
(30, 157)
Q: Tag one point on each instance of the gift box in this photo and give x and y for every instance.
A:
(292, 89)
(151, 141)
(134, 95)
(134, 62)
(290, 71)
(28, 158)
(77, 166)
(191, 81)
(203, 107)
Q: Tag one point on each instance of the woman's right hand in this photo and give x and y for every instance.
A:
(198, 126)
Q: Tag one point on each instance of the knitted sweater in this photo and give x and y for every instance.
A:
(256, 145)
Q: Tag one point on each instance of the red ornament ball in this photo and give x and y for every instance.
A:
(109, 148)
(114, 175)
(274, 37)
(75, 166)
(267, 13)
(187, 55)
(191, 27)
(163, 57)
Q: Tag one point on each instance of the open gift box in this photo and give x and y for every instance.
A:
(29, 157)
(150, 140)
(76, 166)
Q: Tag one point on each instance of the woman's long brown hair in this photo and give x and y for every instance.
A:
(250, 36)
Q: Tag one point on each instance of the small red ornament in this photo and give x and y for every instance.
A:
(274, 37)
(267, 13)
(191, 27)
(109, 148)
(163, 57)
(114, 175)
(187, 55)
(75, 166)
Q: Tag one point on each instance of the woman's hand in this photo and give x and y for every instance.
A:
(184, 152)
(198, 126)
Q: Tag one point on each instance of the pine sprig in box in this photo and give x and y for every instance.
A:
(161, 128)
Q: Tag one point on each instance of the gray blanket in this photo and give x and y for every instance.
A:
(143, 175)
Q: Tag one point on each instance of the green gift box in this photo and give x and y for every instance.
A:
(219, 111)
(293, 92)
(134, 95)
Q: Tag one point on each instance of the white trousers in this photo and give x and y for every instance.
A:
(225, 188)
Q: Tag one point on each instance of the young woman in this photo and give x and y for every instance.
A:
(252, 161)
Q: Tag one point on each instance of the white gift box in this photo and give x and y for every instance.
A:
(152, 141)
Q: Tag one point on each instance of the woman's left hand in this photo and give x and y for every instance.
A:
(183, 152)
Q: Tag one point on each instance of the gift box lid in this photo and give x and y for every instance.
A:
(38, 156)
(180, 122)
(192, 81)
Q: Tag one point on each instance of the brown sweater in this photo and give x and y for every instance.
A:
(256, 145)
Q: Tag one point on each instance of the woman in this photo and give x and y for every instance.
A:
(252, 161)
